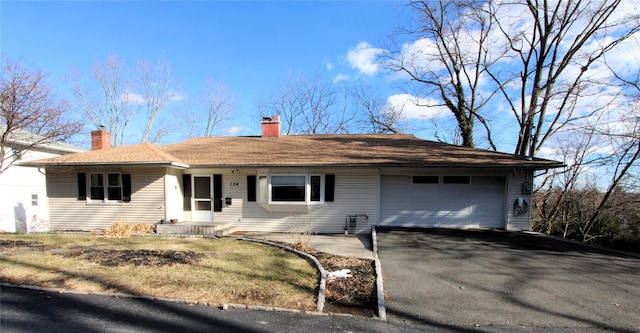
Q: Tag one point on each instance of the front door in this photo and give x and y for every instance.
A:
(202, 203)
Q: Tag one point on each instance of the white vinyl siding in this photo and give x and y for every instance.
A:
(514, 191)
(66, 212)
(354, 194)
(475, 205)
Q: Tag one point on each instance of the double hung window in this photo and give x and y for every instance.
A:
(104, 187)
(111, 189)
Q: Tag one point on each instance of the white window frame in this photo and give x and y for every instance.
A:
(105, 187)
(267, 196)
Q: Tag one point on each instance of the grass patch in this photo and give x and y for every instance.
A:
(226, 270)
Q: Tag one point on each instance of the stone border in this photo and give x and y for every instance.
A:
(323, 272)
(221, 306)
(382, 311)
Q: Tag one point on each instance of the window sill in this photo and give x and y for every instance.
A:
(289, 207)
(104, 203)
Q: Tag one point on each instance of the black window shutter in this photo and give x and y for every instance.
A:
(126, 188)
(251, 188)
(186, 192)
(329, 187)
(82, 186)
(217, 193)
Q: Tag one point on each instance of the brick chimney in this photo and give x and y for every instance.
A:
(271, 127)
(100, 139)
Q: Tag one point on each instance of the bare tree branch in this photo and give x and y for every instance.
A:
(31, 114)
(158, 89)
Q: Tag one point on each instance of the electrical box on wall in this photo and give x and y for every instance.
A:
(527, 188)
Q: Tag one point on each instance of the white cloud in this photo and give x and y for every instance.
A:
(363, 57)
(329, 65)
(417, 107)
(341, 77)
(137, 99)
(132, 98)
(177, 96)
(234, 130)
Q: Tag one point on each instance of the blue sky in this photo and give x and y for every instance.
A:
(248, 46)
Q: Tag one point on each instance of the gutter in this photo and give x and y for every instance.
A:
(453, 165)
(157, 163)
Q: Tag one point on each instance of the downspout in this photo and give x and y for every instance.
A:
(505, 201)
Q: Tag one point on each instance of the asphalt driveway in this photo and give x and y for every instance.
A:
(489, 279)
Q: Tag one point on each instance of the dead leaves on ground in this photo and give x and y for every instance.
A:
(114, 258)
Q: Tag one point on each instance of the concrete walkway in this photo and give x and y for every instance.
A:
(358, 245)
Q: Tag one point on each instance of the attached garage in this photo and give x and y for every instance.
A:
(442, 201)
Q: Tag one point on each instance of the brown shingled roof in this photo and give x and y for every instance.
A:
(376, 150)
(143, 153)
(341, 150)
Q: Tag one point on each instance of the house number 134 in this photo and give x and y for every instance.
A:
(234, 184)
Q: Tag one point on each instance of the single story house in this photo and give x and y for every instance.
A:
(283, 183)
(23, 200)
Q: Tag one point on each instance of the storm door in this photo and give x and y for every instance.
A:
(202, 202)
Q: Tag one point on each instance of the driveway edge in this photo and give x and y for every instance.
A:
(382, 311)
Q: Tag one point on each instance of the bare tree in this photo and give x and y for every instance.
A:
(448, 58)
(542, 60)
(379, 116)
(159, 89)
(556, 194)
(307, 106)
(31, 114)
(603, 160)
(107, 99)
(218, 106)
(114, 96)
(555, 58)
(286, 102)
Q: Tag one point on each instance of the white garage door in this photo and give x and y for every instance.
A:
(437, 201)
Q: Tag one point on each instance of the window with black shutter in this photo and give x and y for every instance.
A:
(329, 187)
(126, 188)
(217, 193)
(82, 186)
(186, 192)
(251, 188)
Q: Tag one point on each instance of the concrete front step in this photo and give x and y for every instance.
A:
(217, 230)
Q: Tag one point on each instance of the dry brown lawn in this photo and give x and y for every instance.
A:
(205, 270)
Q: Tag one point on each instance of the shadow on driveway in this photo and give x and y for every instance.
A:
(471, 279)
